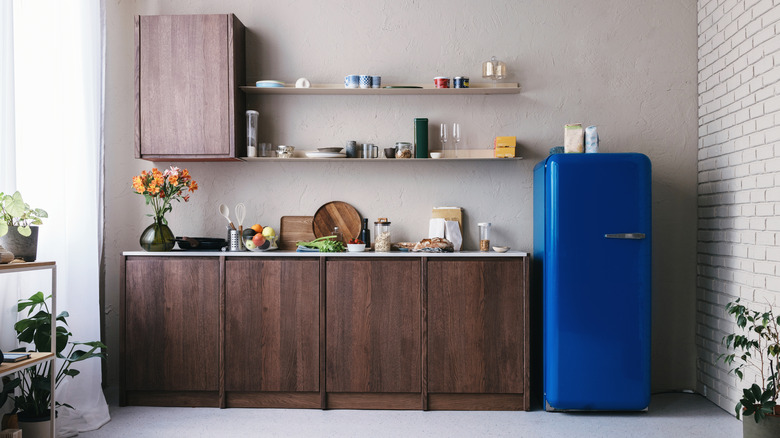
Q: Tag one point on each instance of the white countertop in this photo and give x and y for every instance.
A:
(278, 253)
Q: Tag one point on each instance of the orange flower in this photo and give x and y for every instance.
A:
(173, 179)
(193, 186)
(138, 184)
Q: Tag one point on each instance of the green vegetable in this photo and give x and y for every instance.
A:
(325, 244)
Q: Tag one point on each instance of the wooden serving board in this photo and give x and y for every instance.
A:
(295, 228)
(337, 214)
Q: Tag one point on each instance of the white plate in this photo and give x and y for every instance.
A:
(326, 155)
(334, 149)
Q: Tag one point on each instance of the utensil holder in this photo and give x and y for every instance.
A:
(234, 241)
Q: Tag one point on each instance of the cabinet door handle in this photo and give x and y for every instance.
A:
(632, 236)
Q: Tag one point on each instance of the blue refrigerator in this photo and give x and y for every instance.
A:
(592, 220)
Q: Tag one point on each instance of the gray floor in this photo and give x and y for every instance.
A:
(670, 415)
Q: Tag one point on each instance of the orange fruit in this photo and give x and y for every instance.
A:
(258, 228)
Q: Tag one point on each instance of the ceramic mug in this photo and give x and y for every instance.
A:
(376, 81)
(351, 81)
(365, 81)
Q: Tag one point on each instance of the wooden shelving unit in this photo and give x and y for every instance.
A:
(36, 358)
(339, 89)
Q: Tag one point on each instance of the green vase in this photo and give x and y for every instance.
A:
(157, 237)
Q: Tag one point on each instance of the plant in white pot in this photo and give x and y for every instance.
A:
(30, 389)
(18, 226)
(756, 348)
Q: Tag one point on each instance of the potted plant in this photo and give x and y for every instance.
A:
(32, 385)
(757, 348)
(18, 230)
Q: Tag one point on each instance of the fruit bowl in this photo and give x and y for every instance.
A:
(271, 247)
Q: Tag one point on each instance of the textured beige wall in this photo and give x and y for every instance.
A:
(627, 66)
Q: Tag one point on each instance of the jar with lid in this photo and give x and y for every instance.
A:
(484, 236)
(403, 149)
(382, 235)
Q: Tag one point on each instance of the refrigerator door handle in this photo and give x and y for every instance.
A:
(632, 236)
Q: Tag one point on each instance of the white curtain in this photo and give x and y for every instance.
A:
(52, 152)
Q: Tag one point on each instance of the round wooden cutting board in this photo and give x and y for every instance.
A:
(336, 214)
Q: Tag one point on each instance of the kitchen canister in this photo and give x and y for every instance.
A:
(421, 137)
(351, 149)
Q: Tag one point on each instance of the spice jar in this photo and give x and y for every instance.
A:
(382, 235)
(484, 236)
(403, 150)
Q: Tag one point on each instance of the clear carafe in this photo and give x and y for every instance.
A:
(382, 235)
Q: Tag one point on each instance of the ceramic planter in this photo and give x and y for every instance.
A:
(769, 427)
(35, 427)
(22, 247)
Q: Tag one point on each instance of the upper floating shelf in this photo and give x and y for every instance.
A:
(337, 89)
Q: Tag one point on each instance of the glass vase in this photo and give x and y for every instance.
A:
(157, 237)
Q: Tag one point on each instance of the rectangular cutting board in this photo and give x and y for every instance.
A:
(293, 229)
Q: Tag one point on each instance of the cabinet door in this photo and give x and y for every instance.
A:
(476, 326)
(172, 324)
(272, 325)
(373, 326)
(185, 86)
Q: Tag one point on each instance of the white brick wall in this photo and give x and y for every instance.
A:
(739, 176)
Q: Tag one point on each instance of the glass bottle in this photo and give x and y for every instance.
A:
(365, 233)
(338, 234)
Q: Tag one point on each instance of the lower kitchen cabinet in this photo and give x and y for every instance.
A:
(272, 333)
(373, 336)
(349, 332)
(478, 334)
(171, 331)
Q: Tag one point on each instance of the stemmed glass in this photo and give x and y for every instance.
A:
(443, 136)
(456, 136)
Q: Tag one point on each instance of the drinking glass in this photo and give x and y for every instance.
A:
(443, 136)
(456, 136)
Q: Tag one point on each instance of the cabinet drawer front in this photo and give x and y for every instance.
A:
(373, 326)
(272, 325)
(172, 324)
(476, 334)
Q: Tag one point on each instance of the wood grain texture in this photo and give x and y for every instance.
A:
(272, 325)
(477, 331)
(173, 398)
(188, 68)
(172, 324)
(279, 400)
(373, 401)
(293, 229)
(477, 402)
(373, 326)
(337, 214)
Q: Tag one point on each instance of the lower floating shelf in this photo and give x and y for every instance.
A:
(35, 358)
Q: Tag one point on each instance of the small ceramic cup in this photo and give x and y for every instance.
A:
(376, 81)
(435, 154)
(351, 81)
(365, 81)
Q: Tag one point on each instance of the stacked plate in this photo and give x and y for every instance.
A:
(334, 152)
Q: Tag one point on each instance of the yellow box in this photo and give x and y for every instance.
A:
(504, 152)
(505, 142)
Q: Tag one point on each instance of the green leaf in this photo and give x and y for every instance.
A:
(3, 228)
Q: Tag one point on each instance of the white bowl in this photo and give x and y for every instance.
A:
(356, 247)
(435, 154)
(500, 248)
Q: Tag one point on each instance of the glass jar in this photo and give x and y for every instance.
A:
(484, 236)
(403, 149)
(382, 235)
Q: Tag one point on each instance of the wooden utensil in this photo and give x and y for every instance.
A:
(337, 214)
(294, 229)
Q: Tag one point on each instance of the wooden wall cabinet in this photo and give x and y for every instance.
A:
(373, 336)
(272, 333)
(187, 72)
(171, 331)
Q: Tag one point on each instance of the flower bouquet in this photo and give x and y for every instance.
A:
(160, 189)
